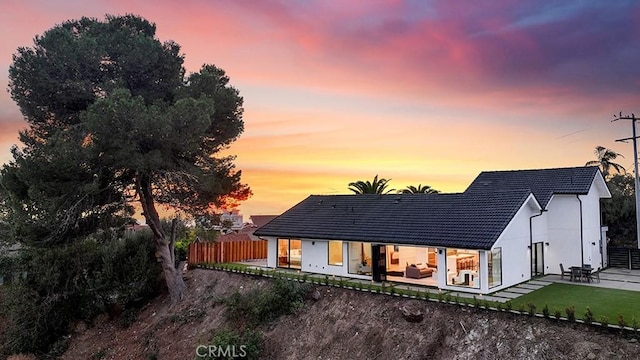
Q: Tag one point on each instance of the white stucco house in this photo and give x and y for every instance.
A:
(505, 228)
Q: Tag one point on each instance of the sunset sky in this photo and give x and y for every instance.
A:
(421, 92)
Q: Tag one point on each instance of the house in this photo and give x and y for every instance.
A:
(505, 228)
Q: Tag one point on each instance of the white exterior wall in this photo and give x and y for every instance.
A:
(563, 219)
(272, 252)
(315, 258)
(516, 254)
(591, 227)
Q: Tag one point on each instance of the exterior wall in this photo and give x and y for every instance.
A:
(514, 243)
(272, 252)
(564, 235)
(563, 221)
(315, 258)
(592, 228)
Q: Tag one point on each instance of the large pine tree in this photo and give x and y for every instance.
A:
(114, 120)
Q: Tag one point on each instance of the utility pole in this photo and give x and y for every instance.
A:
(635, 166)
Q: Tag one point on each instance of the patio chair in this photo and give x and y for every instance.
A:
(595, 275)
(563, 272)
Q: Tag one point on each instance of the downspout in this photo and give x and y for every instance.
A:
(531, 240)
(581, 233)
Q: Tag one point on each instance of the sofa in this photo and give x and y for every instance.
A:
(417, 271)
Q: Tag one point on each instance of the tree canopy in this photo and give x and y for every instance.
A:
(114, 119)
(605, 159)
(426, 189)
(377, 186)
(620, 211)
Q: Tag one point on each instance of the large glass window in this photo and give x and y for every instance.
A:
(462, 268)
(495, 267)
(335, 253)
(359, 258)
(290, 253)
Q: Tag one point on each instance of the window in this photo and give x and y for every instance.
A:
(495, 267)
(359, 258)
(462, 268)
(290, 253)
(335, 253)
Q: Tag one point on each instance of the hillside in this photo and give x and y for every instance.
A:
(343, 324)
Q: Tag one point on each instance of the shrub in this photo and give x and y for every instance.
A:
(588, 316)
(621, 322)
(75, 282)
(545, 311)
(508, 305)
(557, 314)
(604, 320)
(532, 309)
(263, 305)
(571, 313)
(232, 344)
(521, 308)
(476, 302)
(634, 323)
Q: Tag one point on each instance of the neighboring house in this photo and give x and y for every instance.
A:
(505, 228)
(246, 232)
(230, 221)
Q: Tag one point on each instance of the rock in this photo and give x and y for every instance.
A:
(316, 295)
(634, 340)
(411, 314)
(591, 356)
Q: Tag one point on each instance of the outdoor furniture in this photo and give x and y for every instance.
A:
(563, 272)
(587, 272)
(576, 273)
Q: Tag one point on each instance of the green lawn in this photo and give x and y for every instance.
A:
(601, 301)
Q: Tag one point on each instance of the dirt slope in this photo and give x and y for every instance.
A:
(345, 324)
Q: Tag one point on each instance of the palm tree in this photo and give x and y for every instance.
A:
(418, 190)
(605, 160)
(378, 186)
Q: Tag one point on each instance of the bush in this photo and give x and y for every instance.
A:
(571, 313)
(508, 305)
(621, 322)
(263, 305)
(588, 316)
(532, 309)
(230, 344)
(74, 282)
(545, 311)
(557, 314)
(604, 320)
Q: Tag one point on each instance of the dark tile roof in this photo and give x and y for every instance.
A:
(260, 220)
(543, 183)
(466, 220)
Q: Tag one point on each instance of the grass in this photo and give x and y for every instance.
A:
(601, 301)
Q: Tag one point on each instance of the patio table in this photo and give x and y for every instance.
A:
(580, 272)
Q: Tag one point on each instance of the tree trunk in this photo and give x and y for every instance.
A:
(172, 276)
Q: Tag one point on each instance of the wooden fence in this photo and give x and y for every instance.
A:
(227, 251)
(628, 258)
